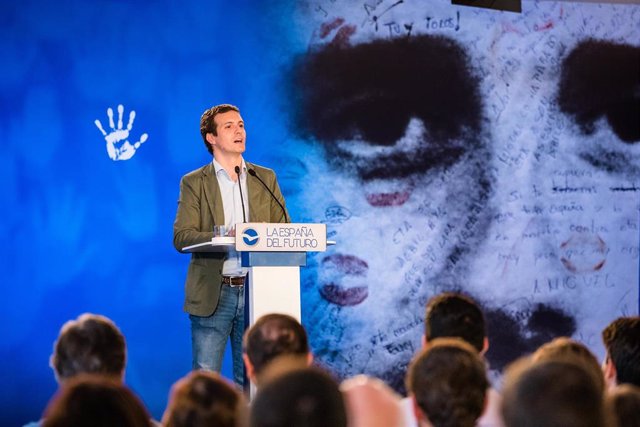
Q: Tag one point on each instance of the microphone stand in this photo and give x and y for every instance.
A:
(244, 216)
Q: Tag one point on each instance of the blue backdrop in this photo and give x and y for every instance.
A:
(83, 232)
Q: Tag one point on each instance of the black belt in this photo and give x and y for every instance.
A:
(234, 282)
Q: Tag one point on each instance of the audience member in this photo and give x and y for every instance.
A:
(95, 401)
(551, 394)
(564, 349)
(622, 342)
(201, 399)
(271, 336)
(623, 403)
(371, 403)
(453, 315)
(447, 384)
(90, 344)
(560, 385)
(301, 397)
(281, 365)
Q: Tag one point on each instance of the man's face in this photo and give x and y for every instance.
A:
(231, 137)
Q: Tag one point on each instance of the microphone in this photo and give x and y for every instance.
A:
(244, 216)
(284, 211)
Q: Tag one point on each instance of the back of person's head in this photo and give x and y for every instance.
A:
(273, 335)
(448, 382)
(452, 315)
(281, 365)
(95, 401)
(564, 349)
(90, 344)
(551, 394)
(202, 399)
(623, 404)
(622, 341)
(303, 397)
(371, 403)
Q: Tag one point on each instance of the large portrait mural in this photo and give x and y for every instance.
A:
(467, 150)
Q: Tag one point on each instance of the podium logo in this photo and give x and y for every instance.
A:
(250, 237)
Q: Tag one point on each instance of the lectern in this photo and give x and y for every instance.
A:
(274, 254)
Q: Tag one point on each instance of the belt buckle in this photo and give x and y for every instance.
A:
(229, 281)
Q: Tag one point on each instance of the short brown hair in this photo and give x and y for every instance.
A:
(208, 125)
(622, 341)
(563, 349)
(551, 393)
(449, 383)
(96, 400)
(301, 397)
(90, 344)
(203, 398)
(274, 335)
(453, 315)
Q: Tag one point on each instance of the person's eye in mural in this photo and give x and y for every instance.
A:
(600, 88)
(390, 108)
(401, 126)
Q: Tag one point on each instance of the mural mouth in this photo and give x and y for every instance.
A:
(339, 272)
(583, 253)
(388, 192)
(396, 198)
(344, 297)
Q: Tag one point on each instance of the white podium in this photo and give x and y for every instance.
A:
(274, 283)
(274, 254)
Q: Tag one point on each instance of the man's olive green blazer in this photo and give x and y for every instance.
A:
(199, 208)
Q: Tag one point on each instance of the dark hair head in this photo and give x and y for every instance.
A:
(455, 315)
(208, 124)
(306, 397)
(551, 394)
(622, 342)
(449, 383)
(90, 344)
(203, 399)
(95, 401)
(564, 349)
(274, 335)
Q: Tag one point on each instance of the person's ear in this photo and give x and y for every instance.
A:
(610, 373)
(251, 374)
(485, 346)
(309, 358)
(418, 413)
(423, 341)
(210, 139)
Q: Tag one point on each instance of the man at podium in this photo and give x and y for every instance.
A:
(224, 192)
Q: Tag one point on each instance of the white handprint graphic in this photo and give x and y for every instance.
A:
(118, 145)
